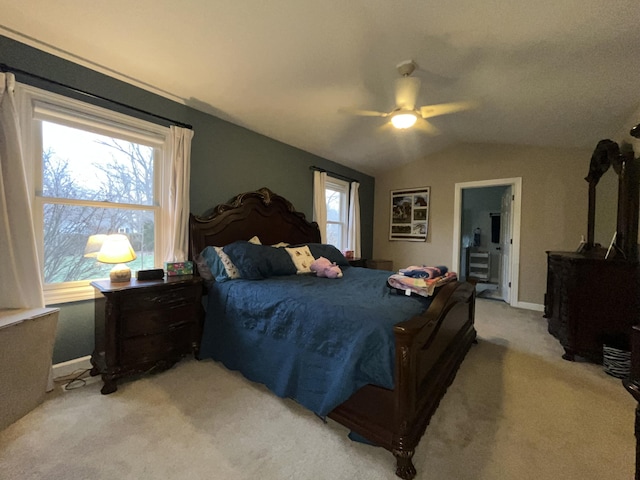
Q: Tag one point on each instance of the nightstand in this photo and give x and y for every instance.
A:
(358, 262)
(144, 325)
(379, 264)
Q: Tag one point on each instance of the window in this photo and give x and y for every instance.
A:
(337, 196)
(94, 172)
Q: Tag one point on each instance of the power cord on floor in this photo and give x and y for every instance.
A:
(77, 382)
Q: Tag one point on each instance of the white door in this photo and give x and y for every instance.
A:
(504, 290)
(514, 214)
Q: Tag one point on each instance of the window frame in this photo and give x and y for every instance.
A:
(36, 105)
(343, 188)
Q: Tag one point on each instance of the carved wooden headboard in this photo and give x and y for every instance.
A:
(263, 213)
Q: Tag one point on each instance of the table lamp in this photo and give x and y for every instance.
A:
(94, 244)
(117, 249)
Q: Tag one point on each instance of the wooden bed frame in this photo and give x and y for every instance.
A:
(429, 347)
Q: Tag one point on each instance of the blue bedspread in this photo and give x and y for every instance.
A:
(315, 340)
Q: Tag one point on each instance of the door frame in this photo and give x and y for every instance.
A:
(514, 258)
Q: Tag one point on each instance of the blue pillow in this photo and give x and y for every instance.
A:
(255, 262)
(221, 268)
(329, 252)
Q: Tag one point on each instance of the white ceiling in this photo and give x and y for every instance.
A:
(548, 72)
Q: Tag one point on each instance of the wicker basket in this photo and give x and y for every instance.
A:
(616, 362)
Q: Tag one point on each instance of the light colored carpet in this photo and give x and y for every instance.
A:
(516, 410)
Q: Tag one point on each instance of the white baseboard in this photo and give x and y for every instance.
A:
(530, 306)
(67, 368)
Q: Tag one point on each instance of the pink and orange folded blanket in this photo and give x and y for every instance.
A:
(421, 280)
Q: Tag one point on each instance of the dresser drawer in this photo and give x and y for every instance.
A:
(143, 324)
(151, 348)
(160, 299)
(158, 320)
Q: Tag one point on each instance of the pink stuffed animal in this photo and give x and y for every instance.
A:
(324, 268)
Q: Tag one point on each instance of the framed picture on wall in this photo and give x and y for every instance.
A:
(410, 214)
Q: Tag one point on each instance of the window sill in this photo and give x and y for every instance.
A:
(68, 294)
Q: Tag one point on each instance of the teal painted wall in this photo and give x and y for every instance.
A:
(225, 160)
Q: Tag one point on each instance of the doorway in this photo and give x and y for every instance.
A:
(487, 236)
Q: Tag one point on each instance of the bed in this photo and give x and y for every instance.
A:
(380, 369)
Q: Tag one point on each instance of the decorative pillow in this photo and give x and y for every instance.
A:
(302, 258)
(220, 266)
(255, 262)
(231, 270)
(329, 252)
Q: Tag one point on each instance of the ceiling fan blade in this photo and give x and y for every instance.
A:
(427, 127)
(429, 111)
(364, 113)
(407, 89)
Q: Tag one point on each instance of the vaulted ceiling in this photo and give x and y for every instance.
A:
(549, 73)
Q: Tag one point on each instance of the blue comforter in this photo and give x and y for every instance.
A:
(315, 340)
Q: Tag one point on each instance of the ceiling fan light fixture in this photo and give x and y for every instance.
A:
(404, 120)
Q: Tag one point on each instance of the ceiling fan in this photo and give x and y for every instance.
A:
(405, 115)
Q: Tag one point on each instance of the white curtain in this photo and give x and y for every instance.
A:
(177, 211)
(320, 203)
(21, 278)
(353, 234)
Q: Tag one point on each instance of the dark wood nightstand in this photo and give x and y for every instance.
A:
(358, 262)
(144, 325)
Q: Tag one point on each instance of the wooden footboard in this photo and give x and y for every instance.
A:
(429, 350)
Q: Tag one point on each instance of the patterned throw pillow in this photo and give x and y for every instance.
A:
(219, 265)
(301, 257)
(230, 269)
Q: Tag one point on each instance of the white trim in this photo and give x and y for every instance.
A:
(58, 52)
(530, 306)
(95, 119)
(64, 369)
(37, 105)
(516, 186)
(45, 105)
(98, 204)
(342, 187)
(56, 296)
(57, 293)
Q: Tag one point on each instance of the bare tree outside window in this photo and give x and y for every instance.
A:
(93, 184)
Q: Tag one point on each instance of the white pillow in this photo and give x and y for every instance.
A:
(301, 257)
(255, 240)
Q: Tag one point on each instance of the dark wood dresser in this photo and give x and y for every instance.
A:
(590, 301)
(144, 325)
(593, 296)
